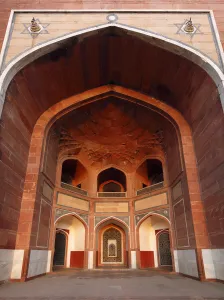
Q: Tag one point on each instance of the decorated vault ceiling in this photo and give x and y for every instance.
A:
(112, 131)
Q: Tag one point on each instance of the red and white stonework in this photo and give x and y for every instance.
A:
(112, 126)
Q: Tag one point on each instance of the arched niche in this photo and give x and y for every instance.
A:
(74, 173)
(148, 231)
(111, 180)
(76, 240)
(111, 231)
(150, 172)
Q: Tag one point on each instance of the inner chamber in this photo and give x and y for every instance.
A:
(114, 152)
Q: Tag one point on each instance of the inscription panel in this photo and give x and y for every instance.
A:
(152, 201)
(73, 202)
(111, 207)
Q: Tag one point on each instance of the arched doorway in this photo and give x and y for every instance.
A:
(71, 250)
(154, 242)
(164, 253)
(112, 246)
(60, 249)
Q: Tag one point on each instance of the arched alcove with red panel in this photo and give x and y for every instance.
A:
(74, 250)
(154, 248)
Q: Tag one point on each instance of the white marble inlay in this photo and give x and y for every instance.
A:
(17, 264)
(39, 262)
(213, 260)
(133, 260)
(208, 263)
(6, 262)
(176, 261)
(218, 259)
(90, 259)
(186, 261)
(48, 262)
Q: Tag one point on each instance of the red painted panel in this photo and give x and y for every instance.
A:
(77, 259)
(147, 259)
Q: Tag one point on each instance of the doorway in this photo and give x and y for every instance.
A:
(111, 247)
(165, 258)
(59, 251)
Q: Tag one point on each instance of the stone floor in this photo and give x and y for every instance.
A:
(110, 285)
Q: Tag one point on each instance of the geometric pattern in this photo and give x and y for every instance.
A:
(162, 212)
(164, 249)
(61, 212)
(181, 26)
(42, 26)
(112, 252)
(125, 219)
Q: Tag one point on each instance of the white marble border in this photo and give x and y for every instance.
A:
(39, 262)
(90, 260)
(133, 259)
(213, 260)
(11, 263)
(185, 262)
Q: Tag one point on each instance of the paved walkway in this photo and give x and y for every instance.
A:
(110, 285)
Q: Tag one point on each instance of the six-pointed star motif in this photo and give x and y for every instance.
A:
(43, 27)
(181, 30)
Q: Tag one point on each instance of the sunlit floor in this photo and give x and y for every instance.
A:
(112, 284)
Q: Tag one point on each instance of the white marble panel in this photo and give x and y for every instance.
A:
(17, 264)
(6, 262)
(187, 263)
(133, 260)
(39, 262)
(90, 259)
(49, 262)
(218, 260)
(176, 261)
(208, 263)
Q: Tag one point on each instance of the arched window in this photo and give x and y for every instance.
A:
(149, 173)
(111, 180)
(73, 173)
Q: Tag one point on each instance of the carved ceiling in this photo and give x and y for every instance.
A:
(111, 131)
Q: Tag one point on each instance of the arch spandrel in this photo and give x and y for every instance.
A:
(155, 22)
(153, 39)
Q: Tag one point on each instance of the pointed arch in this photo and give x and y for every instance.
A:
(111, 218)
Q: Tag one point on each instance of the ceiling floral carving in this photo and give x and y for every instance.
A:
(111, 131)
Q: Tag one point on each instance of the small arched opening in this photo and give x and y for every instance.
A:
(111, 183)
(74, 175)
(149, 176)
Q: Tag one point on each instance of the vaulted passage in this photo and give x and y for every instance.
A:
(106, 149)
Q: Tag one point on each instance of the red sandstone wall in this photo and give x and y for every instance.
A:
(204, 113)
(15, 132)
(216, 5)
